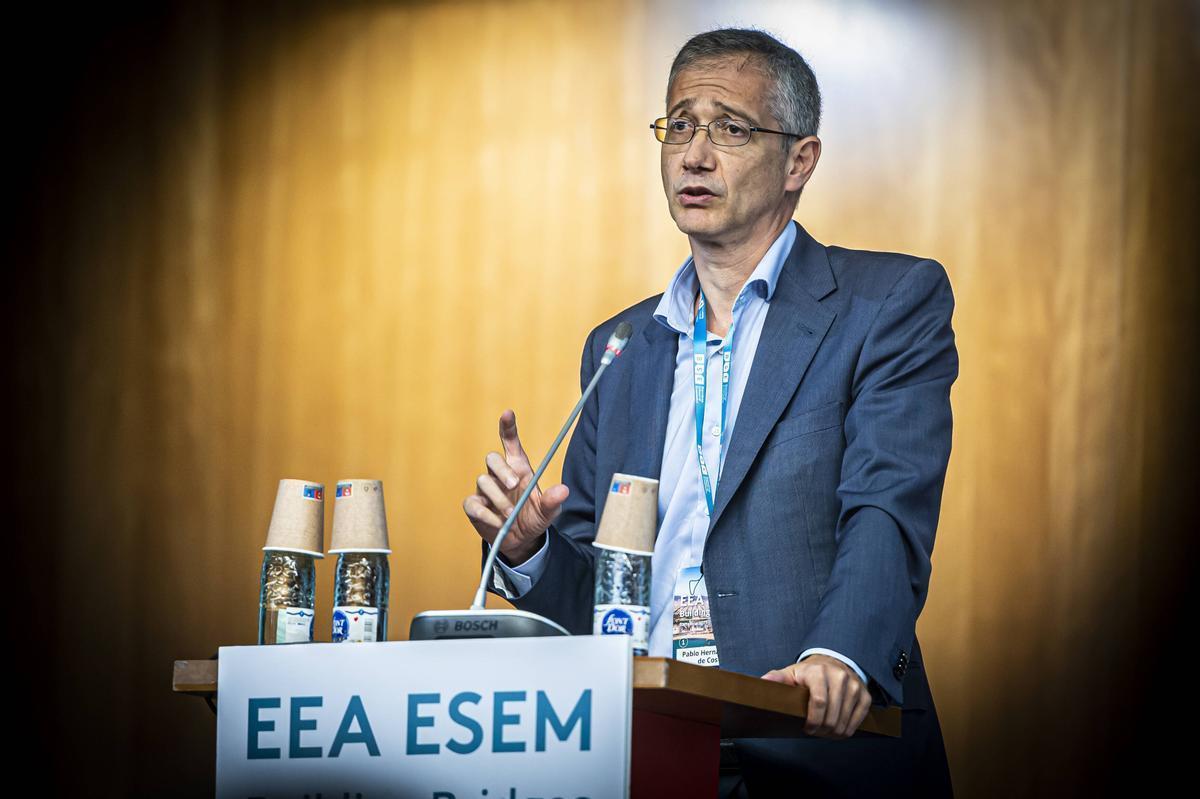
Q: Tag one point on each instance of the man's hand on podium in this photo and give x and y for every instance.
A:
(838, 700)
(497, 492)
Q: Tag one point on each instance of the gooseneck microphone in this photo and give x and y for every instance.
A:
(479, 622)
(616, 343)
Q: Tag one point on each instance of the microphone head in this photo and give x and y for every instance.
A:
(617, 342)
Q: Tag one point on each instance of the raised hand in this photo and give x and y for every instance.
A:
(497, 491)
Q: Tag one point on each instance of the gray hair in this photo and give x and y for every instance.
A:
(794, 100)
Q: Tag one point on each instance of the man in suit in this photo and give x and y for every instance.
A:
(821, 417)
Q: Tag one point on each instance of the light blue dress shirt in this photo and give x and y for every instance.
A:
(682, 509)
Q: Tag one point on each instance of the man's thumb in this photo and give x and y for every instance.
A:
(553, 499)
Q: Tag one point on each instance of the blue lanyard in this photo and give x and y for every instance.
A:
(700, 380)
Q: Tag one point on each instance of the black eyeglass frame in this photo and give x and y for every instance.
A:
(753, 129)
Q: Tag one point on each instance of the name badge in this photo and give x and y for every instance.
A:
(694, 641)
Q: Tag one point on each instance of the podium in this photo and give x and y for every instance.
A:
(680, 714)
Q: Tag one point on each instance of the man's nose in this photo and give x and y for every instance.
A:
(699, 154)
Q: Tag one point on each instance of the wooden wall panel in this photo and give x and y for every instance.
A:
(338, 241)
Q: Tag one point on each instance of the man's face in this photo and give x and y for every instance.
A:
(724, 194)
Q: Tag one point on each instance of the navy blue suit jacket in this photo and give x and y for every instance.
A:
(828, 502)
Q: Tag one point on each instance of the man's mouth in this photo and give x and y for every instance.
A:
(695, 196)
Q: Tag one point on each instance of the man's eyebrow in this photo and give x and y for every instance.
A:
(687, 103)
(682, 105)
(732, 111)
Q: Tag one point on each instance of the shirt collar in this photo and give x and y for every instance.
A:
(676, 309)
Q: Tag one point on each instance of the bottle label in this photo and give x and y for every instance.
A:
(295, 626)
(355, 624)
(631, 620)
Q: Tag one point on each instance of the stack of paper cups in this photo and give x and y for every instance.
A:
(625, 544)
(295, 539)
(362, 577)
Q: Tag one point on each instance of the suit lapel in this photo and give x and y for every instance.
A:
(796, 324)
(651, 380)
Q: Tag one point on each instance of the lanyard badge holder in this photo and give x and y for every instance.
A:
(692, 634)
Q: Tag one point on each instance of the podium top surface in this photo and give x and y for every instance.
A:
(743, 706)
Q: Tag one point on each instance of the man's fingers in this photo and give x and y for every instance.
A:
(543, 508)
(513, 450)
(836, 681)
(503, 472)
(780, 675)
(491, 490)
(818, 699)
(552, 500)
(852, 695)
(861, 708)
(480, 514)
(837, 700)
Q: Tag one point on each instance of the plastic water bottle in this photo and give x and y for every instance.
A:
(287, 598)
(360, 597)
(622, 598)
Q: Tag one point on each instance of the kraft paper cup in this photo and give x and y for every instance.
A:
(298, 521)
(359, 518)
(630, 514)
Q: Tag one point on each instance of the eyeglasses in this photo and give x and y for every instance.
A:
(725, 132)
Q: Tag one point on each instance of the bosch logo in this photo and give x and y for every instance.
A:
(440, 626)
(474, 626)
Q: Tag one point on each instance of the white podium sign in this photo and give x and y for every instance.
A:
(529, 718)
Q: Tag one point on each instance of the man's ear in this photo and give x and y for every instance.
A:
(802, 160)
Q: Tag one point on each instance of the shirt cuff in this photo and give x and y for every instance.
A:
(832, 654)
(520, 578)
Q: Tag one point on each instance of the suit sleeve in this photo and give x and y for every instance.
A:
(898, 428)
(564, 588)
